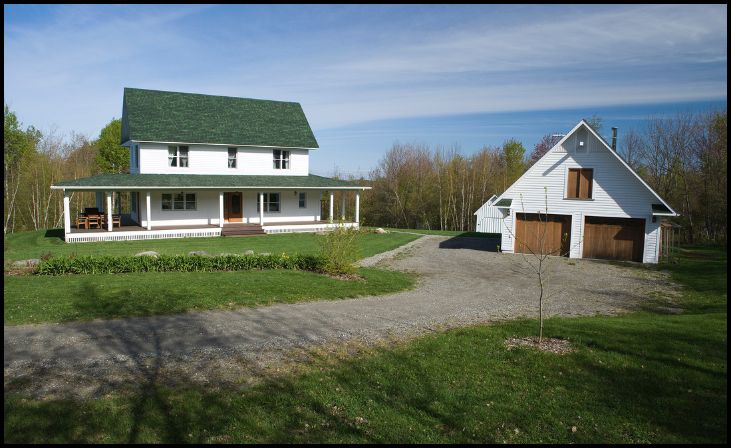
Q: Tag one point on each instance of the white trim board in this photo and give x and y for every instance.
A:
(128, 142)
(607, 147)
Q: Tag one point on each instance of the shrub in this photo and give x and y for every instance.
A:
(179, 263)
(339, 250)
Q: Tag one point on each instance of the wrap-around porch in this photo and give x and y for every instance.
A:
(148, 221)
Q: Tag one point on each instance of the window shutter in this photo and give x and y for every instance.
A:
(573, 184)
(586, 182)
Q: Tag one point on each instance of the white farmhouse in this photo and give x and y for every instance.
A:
(581, 199)
(204, 165)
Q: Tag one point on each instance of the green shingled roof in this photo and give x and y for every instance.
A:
(504, 203)
(157, 116)
(204, 181)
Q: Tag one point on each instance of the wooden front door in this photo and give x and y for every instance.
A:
(614, 238)
(232, 207)
(541, 233)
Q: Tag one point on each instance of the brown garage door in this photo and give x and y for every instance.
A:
(614, 238)
(552, 233)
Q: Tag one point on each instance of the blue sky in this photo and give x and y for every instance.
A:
(370, 75)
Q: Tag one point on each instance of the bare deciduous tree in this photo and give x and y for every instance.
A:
(537, 254)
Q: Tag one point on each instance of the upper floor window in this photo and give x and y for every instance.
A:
(232, 157)
(580, 183)
(303, 200)
(178, 156)
(281, 159)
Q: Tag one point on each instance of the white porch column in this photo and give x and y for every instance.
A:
(66, 212)
(357, 207)
(109, 211)
(261, 209)
(342, 208)
(220, 209)
(149, 215)
(330, 216)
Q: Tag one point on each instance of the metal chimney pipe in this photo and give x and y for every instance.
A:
(614, 139)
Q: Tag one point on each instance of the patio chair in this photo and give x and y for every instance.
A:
(93, 219)
(82, 220)
(117, 219)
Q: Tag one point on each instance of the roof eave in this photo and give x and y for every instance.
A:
(218, 144)
(221, 187)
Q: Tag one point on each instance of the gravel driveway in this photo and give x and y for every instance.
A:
(461, 282)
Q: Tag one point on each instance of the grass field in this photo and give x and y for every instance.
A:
(37, 299)
(647, 377)
(25, 245)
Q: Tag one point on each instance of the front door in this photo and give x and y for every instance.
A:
(232, 209)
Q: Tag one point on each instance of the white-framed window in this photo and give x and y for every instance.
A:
(178, 201)
(271, 202)
(303, 199)
(281, 159)
(232, 153)
(178, 156)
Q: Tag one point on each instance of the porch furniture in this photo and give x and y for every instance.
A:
(82, 220)
(93, 220)
(117, 219)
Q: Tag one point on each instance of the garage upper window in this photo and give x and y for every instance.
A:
(580, 183)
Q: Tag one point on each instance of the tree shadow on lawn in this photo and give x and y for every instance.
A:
(157, 382)
(162, 391)
(56, 234)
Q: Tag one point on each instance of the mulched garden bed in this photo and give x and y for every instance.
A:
(552, 345)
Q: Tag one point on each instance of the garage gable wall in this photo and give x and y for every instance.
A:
(616, 192)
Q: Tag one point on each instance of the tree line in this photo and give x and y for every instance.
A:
(683, 158)
(33, 161)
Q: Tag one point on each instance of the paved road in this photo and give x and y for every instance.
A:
(461, 282)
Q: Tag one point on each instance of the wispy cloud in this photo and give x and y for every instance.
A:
(352, 64)
(627, 36)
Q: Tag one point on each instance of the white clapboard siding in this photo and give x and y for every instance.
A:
(489, 218)
(213, 159)
(508, 232)
(616, 191)
(652, 246)
(207, 208)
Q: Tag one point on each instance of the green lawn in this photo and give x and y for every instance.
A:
(25, 245)
(645, 377)
(36, 299)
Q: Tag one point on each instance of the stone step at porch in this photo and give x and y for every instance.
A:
(242, 230)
